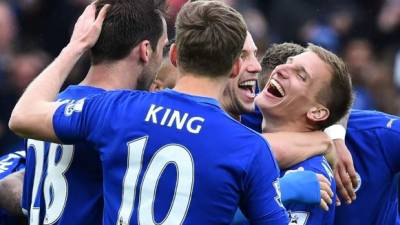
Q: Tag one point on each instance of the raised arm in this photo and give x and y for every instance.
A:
(291, 148)
(33, 113)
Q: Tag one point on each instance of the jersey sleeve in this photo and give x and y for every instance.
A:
(11, 163)
(77, 120)
(262, 199)
(390, 145)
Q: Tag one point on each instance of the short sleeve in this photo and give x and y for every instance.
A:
(76, 120)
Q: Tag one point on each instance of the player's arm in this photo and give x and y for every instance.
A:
(11, 193)
(261, 201)
(345, 173)
(291, 148)
(33, 113)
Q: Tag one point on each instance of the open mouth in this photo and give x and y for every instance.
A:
(275, 89)
(250, 86)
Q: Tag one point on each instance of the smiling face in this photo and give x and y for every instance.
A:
(293, 89)
(240, 92)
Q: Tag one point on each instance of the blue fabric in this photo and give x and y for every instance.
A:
(232, 165)
(301, 187)
(373, 139)
(301, 213)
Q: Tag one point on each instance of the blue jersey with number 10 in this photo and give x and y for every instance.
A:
(173, 158)
(62, 183)
(373, 139)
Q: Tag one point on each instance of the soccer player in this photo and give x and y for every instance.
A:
(368, 136)
(310, 92)
(345, 174)
(290, 147)
(174, 156)
(238, 99)
(59, 186)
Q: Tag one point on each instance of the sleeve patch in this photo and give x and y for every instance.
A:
(74, 106)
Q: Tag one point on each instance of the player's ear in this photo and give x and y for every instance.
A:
(145, 51)
(236, 68)
(318, 113)
(173, 54)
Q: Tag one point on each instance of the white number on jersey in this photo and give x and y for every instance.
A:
(174, 154)
(55, 188)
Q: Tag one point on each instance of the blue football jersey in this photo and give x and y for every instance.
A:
(173, 158)
(10, 163)
(62, 183)
(373, 139)
(252, 120)
(303, 214)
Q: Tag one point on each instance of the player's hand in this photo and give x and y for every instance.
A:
(345, 174)
(88, 28)
(326, 192)
(330, 156)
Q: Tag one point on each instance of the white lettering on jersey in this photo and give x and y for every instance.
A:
(6, 162)
(175, 119)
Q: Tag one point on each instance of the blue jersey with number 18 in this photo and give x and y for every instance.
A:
(173, 158)
(63, 183)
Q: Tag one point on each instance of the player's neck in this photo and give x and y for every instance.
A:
(111, 76)
(270, 125)
(201, 86)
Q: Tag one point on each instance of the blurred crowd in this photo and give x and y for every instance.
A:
(365, 33)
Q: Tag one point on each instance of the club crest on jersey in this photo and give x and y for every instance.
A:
(74, 106)
(298, 217)
(174, 118)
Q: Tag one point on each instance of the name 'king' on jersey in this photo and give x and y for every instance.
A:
(62, 183)
(373, 139)
(173, 158)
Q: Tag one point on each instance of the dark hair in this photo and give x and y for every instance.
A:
(128, 22)
(276, 55)
(209, 37)
(338, 95)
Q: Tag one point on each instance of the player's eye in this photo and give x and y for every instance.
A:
(303, 78)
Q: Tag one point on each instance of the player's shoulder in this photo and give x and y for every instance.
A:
(369, 120)
(317, 164)
(74, 92)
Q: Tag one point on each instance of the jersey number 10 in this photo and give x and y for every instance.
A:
(174, 154)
